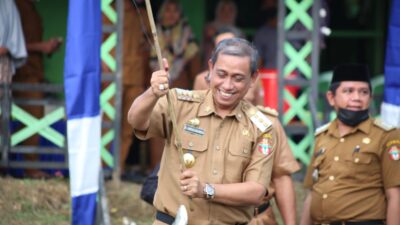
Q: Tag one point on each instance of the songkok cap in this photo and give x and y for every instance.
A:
(351, 72)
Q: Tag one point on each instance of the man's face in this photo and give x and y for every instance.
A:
(226, 14)
(170, 15)
(230, 79)
(351, 95)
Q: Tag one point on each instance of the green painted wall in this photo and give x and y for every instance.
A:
(54, 19)
(194, 11)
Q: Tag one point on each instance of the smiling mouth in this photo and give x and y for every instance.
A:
(225, 94)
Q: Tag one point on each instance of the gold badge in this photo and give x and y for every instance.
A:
(194, 122)
(366, 140)
(245, 133)
(189, 160)
(252, 112)
(192, 126)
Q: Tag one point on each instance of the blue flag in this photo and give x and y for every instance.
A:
(82, 91)
(390, 110)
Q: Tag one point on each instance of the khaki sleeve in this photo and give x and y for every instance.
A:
(158, 121)
(390, 159)
(284, 161)
(261, 162)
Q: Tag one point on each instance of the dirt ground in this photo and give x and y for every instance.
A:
(47, 202)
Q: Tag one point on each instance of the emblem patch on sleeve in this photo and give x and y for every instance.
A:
(393, 147)
(394, 152)
(265, 145)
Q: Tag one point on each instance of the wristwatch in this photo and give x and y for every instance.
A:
(209, 191)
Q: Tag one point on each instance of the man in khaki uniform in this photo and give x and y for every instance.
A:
(355, 170)
(33, 71)
(231, 141)
(284, 162)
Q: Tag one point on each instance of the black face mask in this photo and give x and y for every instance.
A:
(352, 118)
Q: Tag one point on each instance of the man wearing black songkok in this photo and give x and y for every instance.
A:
(354, 172)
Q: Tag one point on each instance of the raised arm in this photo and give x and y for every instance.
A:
(140, 110)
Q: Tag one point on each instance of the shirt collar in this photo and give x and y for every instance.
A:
(207, 107)
(364, 127)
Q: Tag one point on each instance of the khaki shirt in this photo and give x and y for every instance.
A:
(228, 150)
(348, 175)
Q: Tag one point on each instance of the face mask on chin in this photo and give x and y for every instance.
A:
(352, 118)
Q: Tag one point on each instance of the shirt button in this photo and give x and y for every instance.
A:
(336, 158)
(341, 140)
(240, 115)
(191, 144)
(215, 172)
(331, 177)
(324, 196)
(245, 151)
(217, 147)
(356, 160)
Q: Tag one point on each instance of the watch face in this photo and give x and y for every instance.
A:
(209, 190)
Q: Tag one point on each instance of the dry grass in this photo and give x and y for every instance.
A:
(47, 202)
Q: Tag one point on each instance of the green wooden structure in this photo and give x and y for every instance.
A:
(298, 41)
(12, 140)
(298, 38)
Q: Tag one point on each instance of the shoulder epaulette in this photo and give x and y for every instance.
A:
(383, 125)
(268, 110)
(187, 95)
(321, 129)
(258, 118)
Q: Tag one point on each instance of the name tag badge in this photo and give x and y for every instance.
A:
(193, 130)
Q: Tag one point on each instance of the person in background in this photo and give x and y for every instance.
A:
(354, 172)
(229, 174)
(225, 16)
(12, 55)
(12, 43)
(265, 38)
(135, 50)
(32, 72)
(178, 45)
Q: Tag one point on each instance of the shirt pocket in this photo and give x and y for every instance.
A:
(242, 149)
(238, 158)
(195, 144)
(361, 167)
